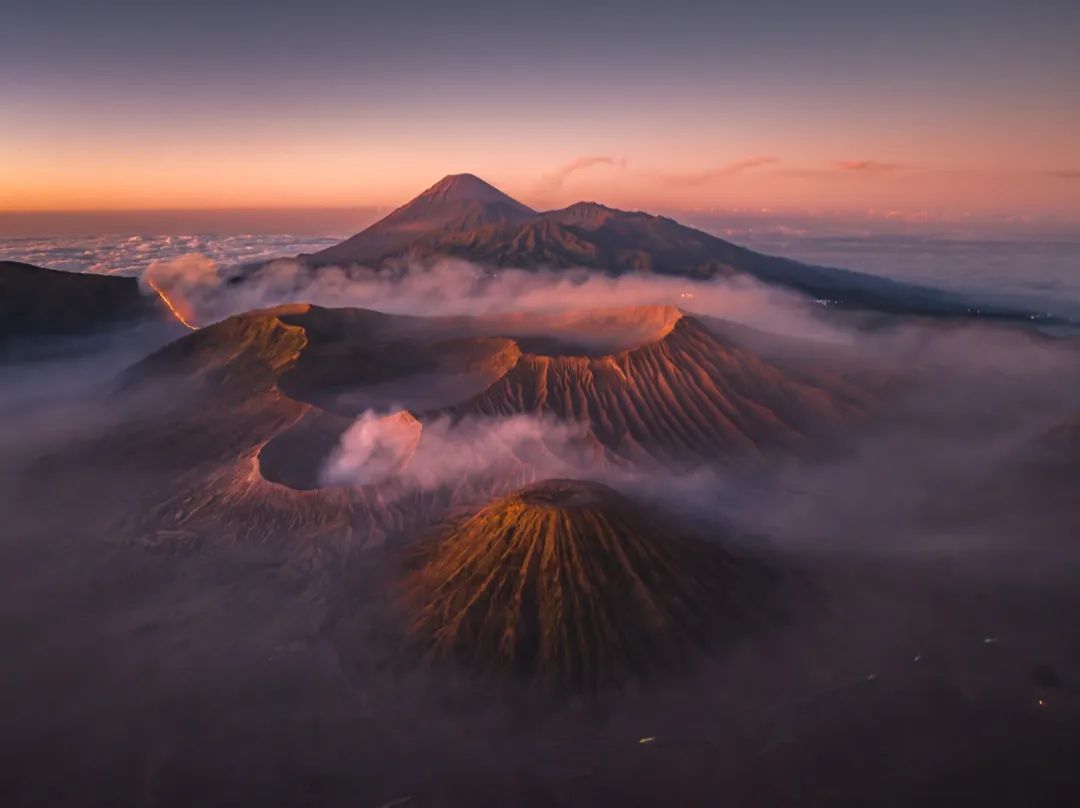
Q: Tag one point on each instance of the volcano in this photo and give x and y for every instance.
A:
(272, 424)
(664, 390)
(573, 586)
(457, 203)
(685, 396)
(463, 217)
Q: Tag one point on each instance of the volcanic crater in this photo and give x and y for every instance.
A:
(276, 393)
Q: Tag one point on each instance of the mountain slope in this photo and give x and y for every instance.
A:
(686, 396)
(236, 437)
(39, 301)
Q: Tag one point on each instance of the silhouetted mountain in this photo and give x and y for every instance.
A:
(38, 301)
(464, 217)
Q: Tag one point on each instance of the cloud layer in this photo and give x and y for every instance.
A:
(130, 254)
(967, 255)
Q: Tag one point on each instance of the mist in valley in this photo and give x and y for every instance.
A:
(921, 651)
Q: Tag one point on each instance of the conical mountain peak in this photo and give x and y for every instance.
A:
(465, 188)
(572, 586)
(456, 203)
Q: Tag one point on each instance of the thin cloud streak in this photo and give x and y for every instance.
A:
(554, 180)
(867, 166)
(730, 170)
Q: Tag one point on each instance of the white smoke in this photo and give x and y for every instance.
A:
(451, 287)
(444, 452)
(373, 449)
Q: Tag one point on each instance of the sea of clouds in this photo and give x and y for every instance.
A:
(132, 254)
(1035, 273)
(1044, 274)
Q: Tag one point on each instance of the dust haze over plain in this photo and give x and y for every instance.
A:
(934, 540)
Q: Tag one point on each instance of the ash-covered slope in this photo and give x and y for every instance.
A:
(687, 396)
(588, 234)
(573, 586)
(39, 301)
(246, 411)
(241, 356)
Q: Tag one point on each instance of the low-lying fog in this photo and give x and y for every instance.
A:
(927, 654)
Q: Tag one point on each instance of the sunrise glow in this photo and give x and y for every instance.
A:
(951, 115)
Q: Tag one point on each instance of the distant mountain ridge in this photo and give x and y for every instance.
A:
(35, 301)
(461, 216)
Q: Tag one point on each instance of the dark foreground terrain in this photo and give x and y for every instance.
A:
(228, 678)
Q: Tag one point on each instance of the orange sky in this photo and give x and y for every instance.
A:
(956, 108)
(298, 175)
(687, 161)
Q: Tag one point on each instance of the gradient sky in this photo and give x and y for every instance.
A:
(905, 109)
